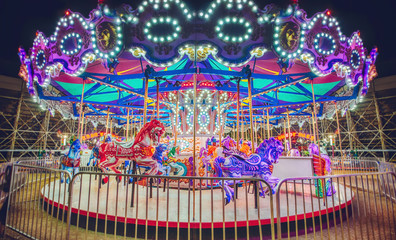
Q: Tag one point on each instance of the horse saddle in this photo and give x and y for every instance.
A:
(253, 159)
(128, 144)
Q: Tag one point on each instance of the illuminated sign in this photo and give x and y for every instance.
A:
(295, 134)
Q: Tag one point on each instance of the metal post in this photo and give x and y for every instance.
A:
(81, 106)
(46, 124)
(107, 121)
(238, 106)
(339, 135)
(284, 133)
(177, 116)
(288, 127)
(380, 127)
(263, 128)
(158, 106)
(313, 125)
(349, 124)
(251, 112)
(82, 125)
(268, 125)
(218, 116)
(16, 122)
(127, 126)
(194, 140)
(145, 101)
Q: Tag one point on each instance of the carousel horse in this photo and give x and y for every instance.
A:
(158, 156)
(141, 150)
(94, 155)
(246, 148)
(258, 165)
(322, 167)
(208, 153)
(71, 161)
(170, 162)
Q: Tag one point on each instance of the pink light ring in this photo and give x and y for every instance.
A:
(25, 61)
(369, 70)
(39, 57)
(355, 58)
(70, 43)
(324, 43)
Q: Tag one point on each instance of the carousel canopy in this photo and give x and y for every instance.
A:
(110, 57)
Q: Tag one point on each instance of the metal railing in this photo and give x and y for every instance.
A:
(355, 206)
(351, 165)
(160, 207)
(28, 212)
(387, 167)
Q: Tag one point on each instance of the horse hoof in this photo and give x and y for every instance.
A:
(227, 201)
(105, 180)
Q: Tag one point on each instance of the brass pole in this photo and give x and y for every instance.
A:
(339, 135)
(82, 126)
(310, 131)
(313, 126)
(177, 116)
(284, 133)
(194, 140)
(132, 123)
(158, 106)
(107, 121)
(242, 127)
(85, 126)
(237, 110)
(268, 124)
(251, 112)
(111, 126)
(145, 101)
(288, 127)
(218, 116)
(262, 127)
(127, 126)
(81, 107)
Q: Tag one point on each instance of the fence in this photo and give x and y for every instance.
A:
(351, 165)
(155, 207)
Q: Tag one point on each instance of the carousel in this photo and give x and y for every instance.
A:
(199, 93)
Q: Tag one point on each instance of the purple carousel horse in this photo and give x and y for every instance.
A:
(259, 164)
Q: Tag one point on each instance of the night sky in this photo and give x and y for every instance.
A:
(19, 20)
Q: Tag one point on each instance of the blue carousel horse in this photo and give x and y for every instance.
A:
(258, 165)
(71, 161)
(94, 156)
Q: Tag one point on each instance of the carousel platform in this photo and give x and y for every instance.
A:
(175, 208)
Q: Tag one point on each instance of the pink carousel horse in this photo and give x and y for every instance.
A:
(141, 150)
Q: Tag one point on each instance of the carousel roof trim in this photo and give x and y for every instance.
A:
(114, 51)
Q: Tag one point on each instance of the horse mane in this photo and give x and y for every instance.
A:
(217, 167)
(145, 128)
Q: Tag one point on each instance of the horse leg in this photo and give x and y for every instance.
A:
(75, 171)
(228, 191)
(114, 169)
(102, 165)
(62, 174)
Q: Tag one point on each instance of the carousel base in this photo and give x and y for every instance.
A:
(89, 200)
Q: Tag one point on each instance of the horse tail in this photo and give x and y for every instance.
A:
(217, 167)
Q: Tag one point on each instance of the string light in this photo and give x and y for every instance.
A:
(174, 23)
(244, 36)
(320, 37)
(71, 37)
